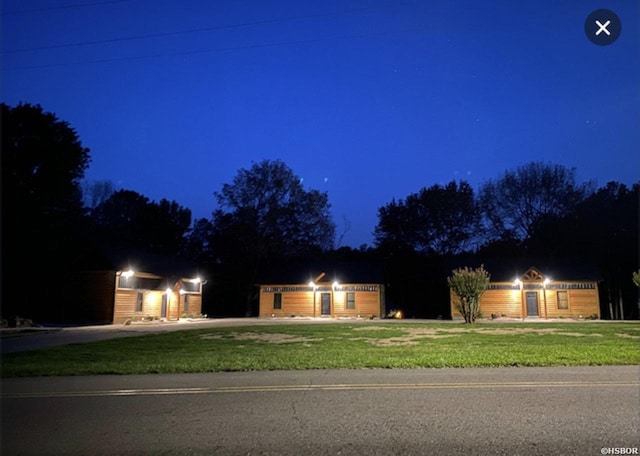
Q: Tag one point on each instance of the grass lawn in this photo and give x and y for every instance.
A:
(342, 346)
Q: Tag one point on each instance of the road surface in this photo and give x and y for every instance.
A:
(499, 411)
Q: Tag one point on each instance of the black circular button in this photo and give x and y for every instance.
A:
(602, 27)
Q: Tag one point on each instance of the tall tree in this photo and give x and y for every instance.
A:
(96, 192)
(603, 231)
(440, 219)
(265, 213)
(520, 198)
(129, 219)
(43, 161)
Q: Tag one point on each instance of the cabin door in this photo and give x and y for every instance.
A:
(325, 299)
(532, 304)
(163, 306)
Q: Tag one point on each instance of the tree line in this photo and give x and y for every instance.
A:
(265, 217)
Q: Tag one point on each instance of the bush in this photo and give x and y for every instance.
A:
(469, 285)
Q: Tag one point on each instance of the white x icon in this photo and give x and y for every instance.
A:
(603, 28)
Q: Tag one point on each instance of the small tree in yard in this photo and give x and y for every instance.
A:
(469, 284)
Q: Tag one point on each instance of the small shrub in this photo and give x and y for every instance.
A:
(469, 285)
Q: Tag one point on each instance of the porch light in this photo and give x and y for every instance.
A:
(128, 273)
(168, 290)
(311, 284)
(546, 282)
(517, 282)
(336, 284)
(197, 280)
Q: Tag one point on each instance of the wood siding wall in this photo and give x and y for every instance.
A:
(125, 303)
(301, 303)
(582, 303)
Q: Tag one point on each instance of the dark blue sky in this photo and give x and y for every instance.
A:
(368, 100)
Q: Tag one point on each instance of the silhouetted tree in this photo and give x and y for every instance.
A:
(129, 219)
(43, 161)
(602, 230)
(440, 219)
(198, 242)
(520, 198)
(96, 192)
(266, 214)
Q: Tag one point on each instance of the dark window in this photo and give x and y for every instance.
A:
(563, 300)
(351, 300)
(139, 298)
(140, 283)
(277, 300)
(186, 303)
(193, 287)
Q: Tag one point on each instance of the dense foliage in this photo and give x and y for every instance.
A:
(469, 285)
(43, 161)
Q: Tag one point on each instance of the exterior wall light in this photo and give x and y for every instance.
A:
(128, 273)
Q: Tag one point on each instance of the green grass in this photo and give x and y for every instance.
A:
(341, 346)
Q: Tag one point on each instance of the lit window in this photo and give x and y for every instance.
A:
(563, 300)
(351, 300)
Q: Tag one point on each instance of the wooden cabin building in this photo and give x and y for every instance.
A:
(129, 286)
(349, 290)
(538, 293)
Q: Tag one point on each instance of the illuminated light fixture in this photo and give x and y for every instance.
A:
(168, 290)
(517, 282)
(546, 281)
(311, 284)
(197, 280)
(336, 284)
(128, 273)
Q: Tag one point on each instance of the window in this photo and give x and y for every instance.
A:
(277, 300)
(563, 300)
(351, 300)
(139, 298)
(186, 303)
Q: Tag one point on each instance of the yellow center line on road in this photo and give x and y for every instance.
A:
(336, 387)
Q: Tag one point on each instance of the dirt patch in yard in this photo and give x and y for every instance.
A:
(412, 336)
(263, 337)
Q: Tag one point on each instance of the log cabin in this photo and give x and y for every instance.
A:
(567, 292)
(344, 290)
(122, 286)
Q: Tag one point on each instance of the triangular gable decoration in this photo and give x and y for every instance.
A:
(533, 274)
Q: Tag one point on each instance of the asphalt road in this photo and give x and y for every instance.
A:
(500, 411)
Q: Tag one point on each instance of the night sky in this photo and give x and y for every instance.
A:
(367, 100)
